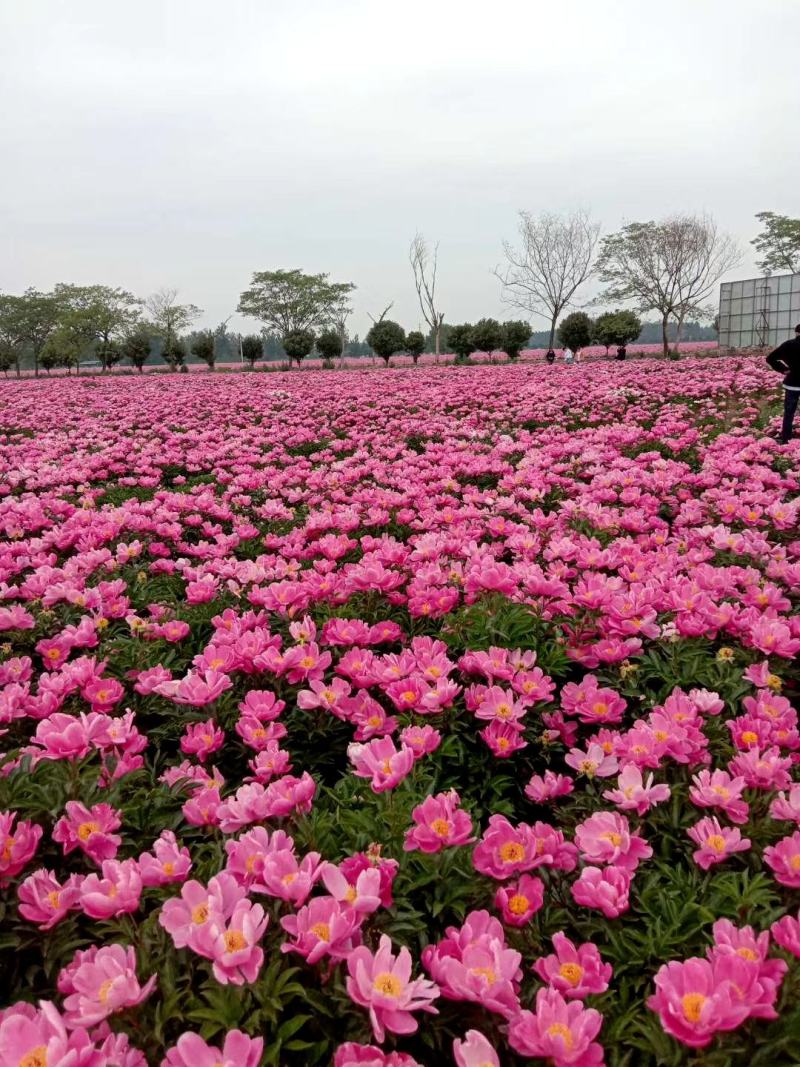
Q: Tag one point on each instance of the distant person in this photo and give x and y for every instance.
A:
(569, 356)
(550, 356)
(577, 355)
(786, 359)
(622, 352)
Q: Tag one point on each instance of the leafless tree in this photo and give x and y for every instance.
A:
(424, 264)
(168, 316)
(383, 314)
(671, 267)
(552, 262)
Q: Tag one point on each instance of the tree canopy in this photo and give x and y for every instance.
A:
(778, 243)
(289, 300)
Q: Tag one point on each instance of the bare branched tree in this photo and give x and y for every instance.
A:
(553, 261)
(424, 264)
(670, 267)
(383, 314)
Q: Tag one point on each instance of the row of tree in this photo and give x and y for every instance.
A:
(669, 267)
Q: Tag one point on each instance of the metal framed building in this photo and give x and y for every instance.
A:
(759, 312)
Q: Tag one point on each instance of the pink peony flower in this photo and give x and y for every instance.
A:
(44, 901)
(558, 1030)
(101, 981)
(382, 983)
(440, 823)
(519, 901)
(352, 1055)
(786, 933)
(595, 762)
(89, 829)
(543, 788)
(116, 891)
(201, 739)
(605, 837)
(717, 789)
(322, 928)
(382, 762)
(633, 793)
(575, 971)
(33, 1037)
(18, 844)
(168, 862)
(474, 1051)
(696, 998)
(784, 859)
(605, 889)
(715, 842)
(238, 1050)
(505, 850)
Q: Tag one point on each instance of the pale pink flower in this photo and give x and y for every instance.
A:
(382, 983)
(634, 793)
(99, 982)
(238, 1050)
(560, 1031)
(576, 971)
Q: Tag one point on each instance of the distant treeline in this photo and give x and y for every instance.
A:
(650, 335)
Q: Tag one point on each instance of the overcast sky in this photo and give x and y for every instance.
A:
(187, 143)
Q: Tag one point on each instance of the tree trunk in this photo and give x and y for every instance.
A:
(678, 336)
(664, 337)
(552, 332)
(437, 340)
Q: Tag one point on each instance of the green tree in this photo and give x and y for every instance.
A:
(63, 348)
(329, 345)
(289, 301)
(515, 336)
(204, 348)
(169, 319)
(136, 346)
(173, 352)
(385, 338)
(575, 330)
(8, 358)
(628, 327)
(252, 348)
(487, 335)
(297, 344)
(26, 322)
(460, 340)
(605, 329)
(99, 316)
(415, 345)
(778, 243)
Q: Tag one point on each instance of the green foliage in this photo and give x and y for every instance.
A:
(461, 340)
(252, 348)
(136, 347)
(386, 337)
(329, 345)
(616, 328)
(289, 301)
(515, 336)
(778, 243)
(298, 344)
(204, 348)
(575, 330)
(487, 335)
(415, 344)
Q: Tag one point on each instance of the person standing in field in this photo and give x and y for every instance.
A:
(786, 359)
(568, 356)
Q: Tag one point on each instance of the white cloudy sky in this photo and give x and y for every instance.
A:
(190, 142)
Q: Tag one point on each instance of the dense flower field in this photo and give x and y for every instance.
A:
(400, 717)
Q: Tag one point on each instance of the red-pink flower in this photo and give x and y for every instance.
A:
(322, 928)
(351, 1054)
(559, 1030)
(44, 901)
(786, 933)
(201, 739)
(25, 1031)
(505, 850)
(784, 859)
(382, 983)
(549, 786)
(474, 1051)
(238, 1050)
(717, 789)
(101, 981)
(89, 829)
(696, 998)
(603, 888)
(605, 837)
(440, 823)
(576, 971)
(634, 793)
(715, 842)
(18, 844)
(116, 891)
(379, 760)
(595, 762)
(167, 862)
(519, 901)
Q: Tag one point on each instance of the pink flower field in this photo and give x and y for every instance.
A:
(400, 717)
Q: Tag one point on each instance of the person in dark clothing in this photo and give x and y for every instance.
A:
(622, 352)
(786, 359)
(550, 356)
